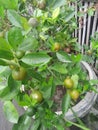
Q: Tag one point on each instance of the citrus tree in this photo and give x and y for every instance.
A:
(37, 54)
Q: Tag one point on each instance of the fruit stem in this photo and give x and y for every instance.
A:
(9, 62)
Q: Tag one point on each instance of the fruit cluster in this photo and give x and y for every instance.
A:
(69, 85)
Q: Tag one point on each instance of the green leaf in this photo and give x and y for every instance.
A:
(24, 23)
(10, 112)
(6, 55)
(81, 14)
(2, 83)
(4, 45)
(94, 44)
(75, 79)
(55, 13)
(47, 88)
(3, 62)
(24, 123)
(14, 18)
(5, 49)
(63, 57)
(69, 16)
(66, 103)
(9, 4)
(36, 58)
(29, 43)
(15, 37)
(76, 58)
(59, 67)
(59, 127)
(35, 75)
(35, 125)
(23, 99)
(91, 11)
(56, 3)
(11, 90)
(2, 12)
(4, 72)
(93, 82)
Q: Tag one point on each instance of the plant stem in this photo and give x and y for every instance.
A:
(79, 126)
(9, 62)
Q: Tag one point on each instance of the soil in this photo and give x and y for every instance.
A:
(59, 93)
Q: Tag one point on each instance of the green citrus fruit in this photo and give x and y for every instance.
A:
(56, 46)
(20, 54)
(19, 74)
(74, 94)
(37, 96)
(68, 83)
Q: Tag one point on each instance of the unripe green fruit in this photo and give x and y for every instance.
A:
(12, 66)
(74, 94)
(56, 46)
(20, 54)
(89, 52)
(33, 22)
(19, 74)
(68, 83)
(37, 96)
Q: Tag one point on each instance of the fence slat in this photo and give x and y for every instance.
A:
(94, 23)
(80, 26)
(84, 26)
(76, 10)
(88, 28)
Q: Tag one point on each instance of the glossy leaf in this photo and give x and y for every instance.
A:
(69, 16)
(2, 83)
(47, 88)
(4, 45)
(35, 125)
(2, 62)
(24, 23)
(75, 79)
(10, 112)
(66, 103)
(55, 13)
(6, 55)
(34, 59)
(63, 57)
(14, 18)
(23, 99)
(2, 13)
(76, 58)
(5, 49)
(59, 67)
(11, 90)
(59, 127)
(93, 82)
(91, 11)
(29, 43)
(56, 3)
(24, 123)
(15, 37)
(8, 4)
(4, 72)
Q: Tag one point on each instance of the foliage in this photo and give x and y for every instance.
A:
(33, 57)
